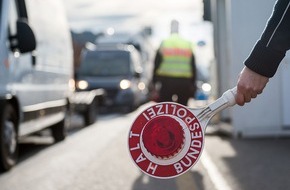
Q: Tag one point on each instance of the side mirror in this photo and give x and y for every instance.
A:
(24, 41)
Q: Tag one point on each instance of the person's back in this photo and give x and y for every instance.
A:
(176, 53)
(175, 67)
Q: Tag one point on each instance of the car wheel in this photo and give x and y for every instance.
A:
(59, 130)
(91, 113)
(8, 137)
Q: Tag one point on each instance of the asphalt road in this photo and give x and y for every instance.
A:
(97, 158)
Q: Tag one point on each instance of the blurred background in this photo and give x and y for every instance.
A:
(220, 32)
(244, 147)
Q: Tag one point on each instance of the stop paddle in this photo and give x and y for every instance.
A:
(167, 139)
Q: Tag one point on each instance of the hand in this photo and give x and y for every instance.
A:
(249, 85)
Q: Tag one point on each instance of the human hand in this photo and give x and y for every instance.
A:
(249, 85)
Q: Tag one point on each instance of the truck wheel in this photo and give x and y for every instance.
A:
(8, 137)
(90, 115)
(59, 130)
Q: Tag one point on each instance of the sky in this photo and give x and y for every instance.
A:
(132, 15)
(96, 15)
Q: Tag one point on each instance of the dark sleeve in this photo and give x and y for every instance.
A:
(271, 48)
(157, 62)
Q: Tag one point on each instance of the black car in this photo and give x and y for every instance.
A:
(116, 69)
(141, 41)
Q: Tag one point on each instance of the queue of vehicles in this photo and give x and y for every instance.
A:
(119, 64)
(39, 84)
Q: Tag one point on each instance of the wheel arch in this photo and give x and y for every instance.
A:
(14, 102)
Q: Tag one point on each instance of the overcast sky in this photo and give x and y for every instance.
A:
(124, 15)
(96, 15)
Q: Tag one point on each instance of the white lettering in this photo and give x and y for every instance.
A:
(152, 167)
(195, 135)
(151, 112)
(181, 112)
(193, 153)
(135, 148)
(178, 167)
(166, 108)
(188, 163)
(189, 119)
(174, 109)
(140, 158)
(134, 134)
(146, 116)
(159, 112)
(194, 126)
(196, 143)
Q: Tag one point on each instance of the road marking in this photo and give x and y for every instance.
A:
(214, 174)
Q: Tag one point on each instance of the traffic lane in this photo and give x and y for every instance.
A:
(35, 143)
(57, 166)
(72, 164)
(114, 169)
(95, 157)
(250, 164)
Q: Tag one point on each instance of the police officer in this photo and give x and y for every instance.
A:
(175, 68)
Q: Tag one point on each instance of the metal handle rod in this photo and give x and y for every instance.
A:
(225, 101)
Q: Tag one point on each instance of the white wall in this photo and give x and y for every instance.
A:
(267, 114)
(285, 69)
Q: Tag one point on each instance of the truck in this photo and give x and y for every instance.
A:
(36, 73)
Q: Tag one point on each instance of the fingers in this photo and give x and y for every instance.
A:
(245, 95)
(249, 86)
(240, 100)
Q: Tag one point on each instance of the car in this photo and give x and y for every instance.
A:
(117, 69)
(140, 40)
(35, 73)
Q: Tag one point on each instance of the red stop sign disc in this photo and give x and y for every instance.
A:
(165, 140)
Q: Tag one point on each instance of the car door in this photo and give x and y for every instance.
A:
(20, 66)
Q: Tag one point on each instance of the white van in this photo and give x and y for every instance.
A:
(36, 65)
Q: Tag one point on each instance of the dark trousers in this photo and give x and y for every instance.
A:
(180, 87)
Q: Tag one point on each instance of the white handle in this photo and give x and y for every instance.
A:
(230, 96)
(226, 100)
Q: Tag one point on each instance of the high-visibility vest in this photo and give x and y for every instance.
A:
(176, 57)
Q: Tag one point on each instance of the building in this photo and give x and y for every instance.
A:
(237, 26)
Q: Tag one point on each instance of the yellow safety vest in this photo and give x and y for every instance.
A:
(176, 57)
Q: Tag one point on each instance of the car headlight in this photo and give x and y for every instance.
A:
(125, 84)
(82, 84)
(206, 87)
(141, 86)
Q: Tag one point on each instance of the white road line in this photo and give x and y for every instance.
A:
(214, 174)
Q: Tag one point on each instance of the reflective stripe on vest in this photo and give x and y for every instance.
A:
(176, 62)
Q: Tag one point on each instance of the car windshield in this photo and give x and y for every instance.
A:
(105, 63)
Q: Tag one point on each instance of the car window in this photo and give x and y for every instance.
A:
(105, 64)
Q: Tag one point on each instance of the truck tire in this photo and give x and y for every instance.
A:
(8, 136)
(90, 114)
(58, 130)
